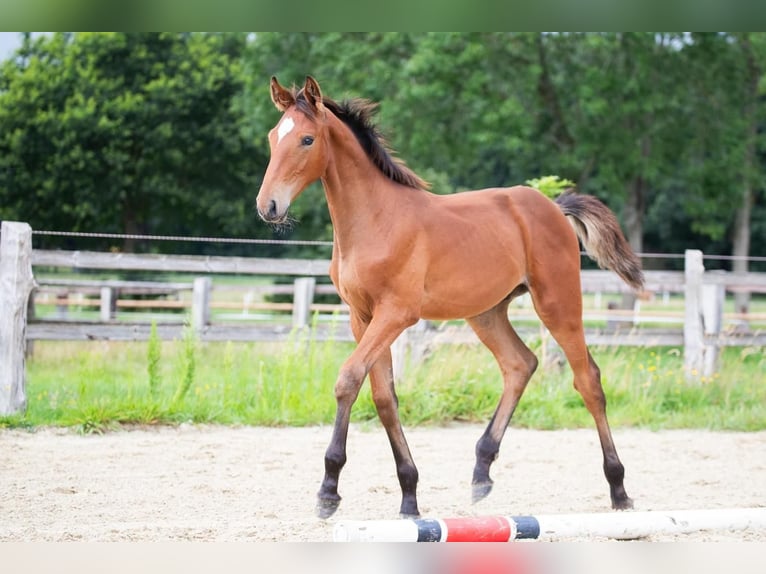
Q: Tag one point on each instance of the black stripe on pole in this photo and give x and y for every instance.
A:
(527, 527)
(429, 530)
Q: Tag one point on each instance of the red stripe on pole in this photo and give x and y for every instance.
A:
(478, 529)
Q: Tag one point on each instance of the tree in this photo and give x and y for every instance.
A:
(132, 133)
(620, 94)
(726, 153)
(467, 108)
(167, 133)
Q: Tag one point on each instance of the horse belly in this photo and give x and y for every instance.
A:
(476, 258)
(469, 293)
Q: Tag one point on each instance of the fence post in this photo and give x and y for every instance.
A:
(694, 269)
(31, 315)
(712, 320)
(303, 296)
(107, 304)
(16, 285)
(411, 339)
(200, 311)
(399, 355)
(62, 307)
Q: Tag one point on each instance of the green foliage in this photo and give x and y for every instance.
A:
(550, 185)
(463, 108)
(167, 133)
(126, 132)
(153, 356)
(188, 362)
(641, 120)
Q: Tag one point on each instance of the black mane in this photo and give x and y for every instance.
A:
(358, 114)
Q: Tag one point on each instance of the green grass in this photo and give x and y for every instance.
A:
(97, 386)
(645, 387)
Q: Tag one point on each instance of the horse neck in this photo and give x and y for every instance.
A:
(359, 196)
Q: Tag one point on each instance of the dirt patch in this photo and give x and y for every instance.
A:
(259, 484)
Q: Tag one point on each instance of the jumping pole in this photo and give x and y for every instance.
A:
(618, 525)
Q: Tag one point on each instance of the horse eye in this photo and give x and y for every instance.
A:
(307, 140)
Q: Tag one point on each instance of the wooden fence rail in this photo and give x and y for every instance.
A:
(702, 334)
(200, 264)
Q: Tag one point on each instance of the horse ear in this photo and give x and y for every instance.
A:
(281, 97)
(312, 92)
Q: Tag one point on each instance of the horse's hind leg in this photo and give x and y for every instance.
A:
(559, 306)
(517, 364)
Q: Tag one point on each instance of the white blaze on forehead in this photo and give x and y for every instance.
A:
(285, 127)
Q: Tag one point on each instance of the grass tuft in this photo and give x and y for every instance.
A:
(153, 357)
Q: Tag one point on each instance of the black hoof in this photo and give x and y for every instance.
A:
(326, 507)
(480, 490)
(623, 504)
(409, 507)
(409, 511)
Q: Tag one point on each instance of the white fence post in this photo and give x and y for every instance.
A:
(303, 296)
(412, 339)
(16, 285)
(713, 297)
(694, 269)
(399, 355)
(107, 304)
(200, 311)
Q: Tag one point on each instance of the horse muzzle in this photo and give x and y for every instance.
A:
(272, 210)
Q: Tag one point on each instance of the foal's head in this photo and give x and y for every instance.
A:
(300, 146)
(298, 149)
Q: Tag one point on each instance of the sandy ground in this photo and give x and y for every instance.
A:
(258, 484)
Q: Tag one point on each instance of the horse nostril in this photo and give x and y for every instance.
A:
(272, 209)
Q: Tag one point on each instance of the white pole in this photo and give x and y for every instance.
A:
(630, 525)
(375, 531)
(617, 525)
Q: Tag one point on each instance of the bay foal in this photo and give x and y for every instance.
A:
(401, 253)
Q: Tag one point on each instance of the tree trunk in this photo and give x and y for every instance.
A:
(633, 213)
(741, 232)
(554, 121)
(741, 246)
(130, 227)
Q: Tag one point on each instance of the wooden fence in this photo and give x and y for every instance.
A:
(700, 327)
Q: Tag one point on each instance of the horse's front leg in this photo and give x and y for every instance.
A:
(387, 405)
(373, 338)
